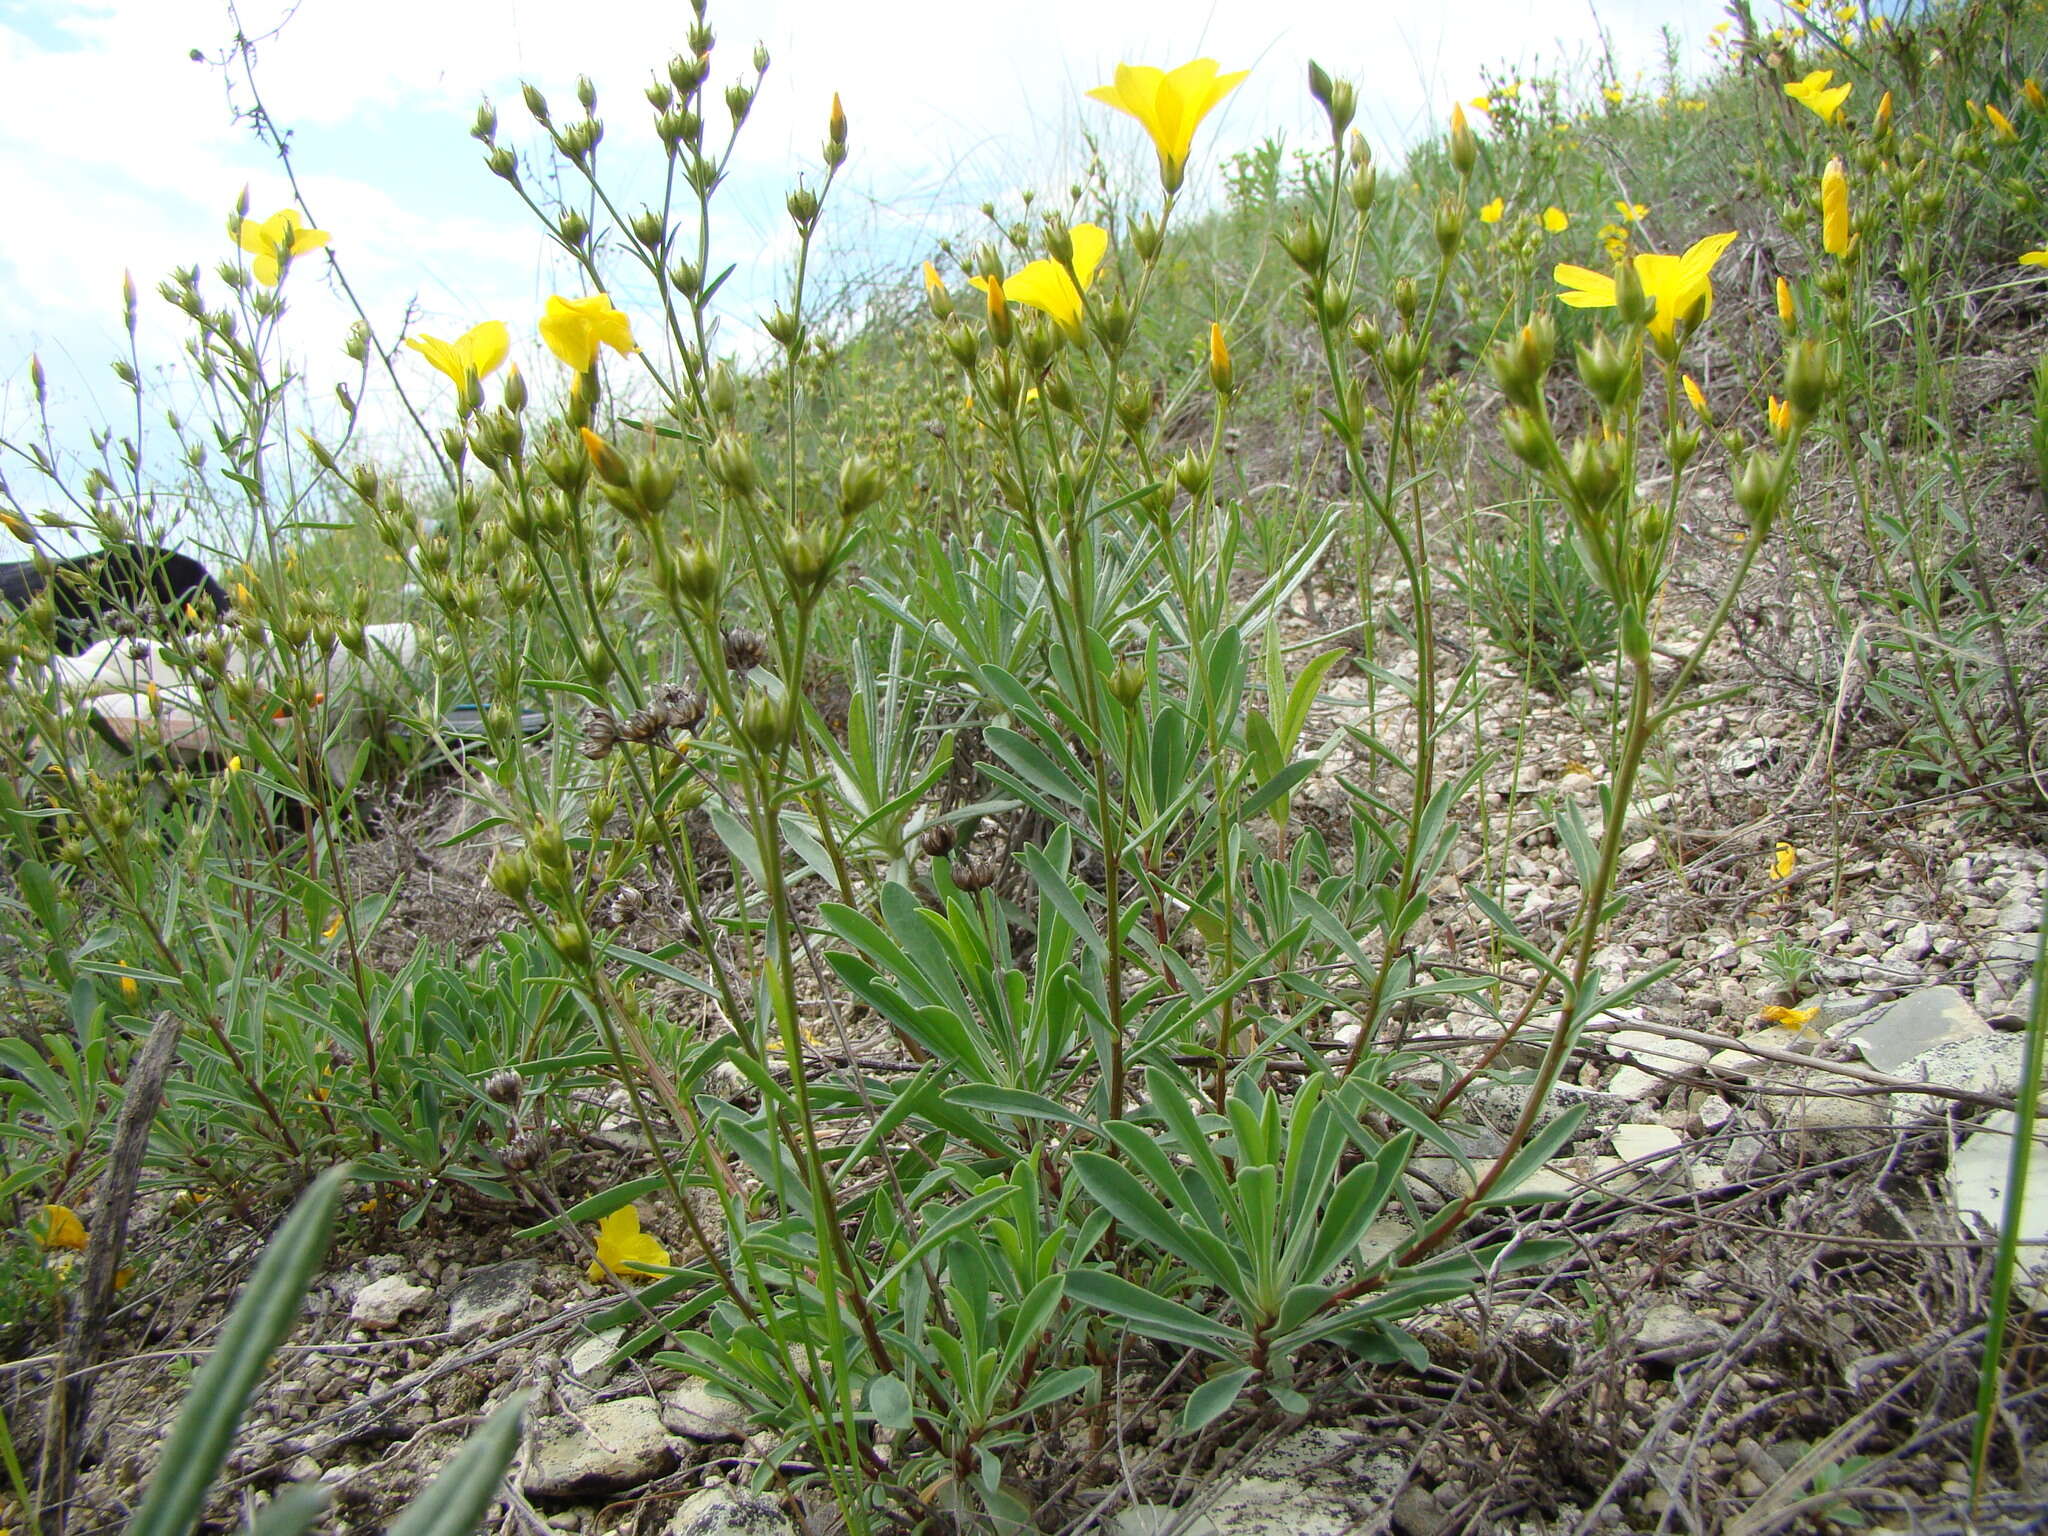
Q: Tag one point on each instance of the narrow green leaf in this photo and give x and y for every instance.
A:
(269, 1306)
(1154, 1316)
(455, 1503)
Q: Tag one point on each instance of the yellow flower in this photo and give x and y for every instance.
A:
(1788, 316)
(1791, 1017)
(58, 1228)
(1780, 414)
(1784, 859)
(1169, 104)
(2030, 92)
(933, 283)
(1491, 212)
(1482, 104)
(333, 925)
(17, 527)
(478, 351)
(573, 330)
(1813, 94)
(622, 1248)
(234, 765)
(1679, 284)
(130, 988)
(1834, 209)
(2001, 125)
(2034, 259)
(1613, 93)
(1556, 220)
(274, 242)
(1697, 399)
(1635, 213)
(1046, 284)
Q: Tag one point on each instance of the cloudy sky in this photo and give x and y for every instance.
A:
(120, 150)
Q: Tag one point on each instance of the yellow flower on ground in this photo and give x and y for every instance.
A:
(1792, 1018)
(1556, 220)
(1784, 859)
(59, 1227)
(274, 242)
(1169, 104)
(622, 1248)
(1635, 213)
(1491, 212)
(478, 350)
(2034, 259)
(1834, 208)
(1814, 93)
(574, 329)
(1046, 285)
(1680, 285)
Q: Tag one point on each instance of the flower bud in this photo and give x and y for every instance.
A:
(1363, 187)
(611, 467)
(1450, 227)
(767, 721)
(732, 464)
(536, 103)
(1809, 378)
(738, 101)
(1366, 336)
(1608, 370)
(962, 344)
(1464, 147)
(806, 559)
(1000, 327)
(1127, 684)
(1527, 437)
(1338, 99)
(572, 940)
(485, 129)
(861, 484)
(803, 207)
(1756, 490)
(1192, 473)
(1133, 406)
(1221, 377)
(649, 230)
(695, 572)
(1407, 299)
(511, 874)
(1632, 300)
(1147, 237)
(1305, 246)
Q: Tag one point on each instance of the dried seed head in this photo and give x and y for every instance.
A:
(745, 649)
(526, 1152)
(504, 1087)
(975, 874)
(600, 733)
(682, 708)
(937, 840)
(626, 904)
(645, 725)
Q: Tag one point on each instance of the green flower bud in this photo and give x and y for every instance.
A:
(1527, 436)
(1809, 378)
(696, 572)
(1192, 473)
(1305, 246)
(1127, 684)
(1450, 227)
(861, 484)
(1631, 300)
(572, 939)
(1133, 406)
(767, 721)
(732, 464)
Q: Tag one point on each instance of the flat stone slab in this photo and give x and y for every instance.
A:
(492, 1296)
(606, 1448)
(727, 1512)
(1977, 1180)
(1915, 1025)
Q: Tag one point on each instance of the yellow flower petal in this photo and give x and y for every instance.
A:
(1784, 859)
(1169, 104)
(623, 1249)
(1834, 209)
(1556, 220)
(59, 1228)
(1491, 212)
(2034, 259)
(574, 329)
(1584, 288)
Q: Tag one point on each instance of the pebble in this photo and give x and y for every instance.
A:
(724, 1512)
(695, 1411)
(381, 1304)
